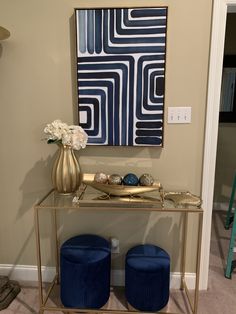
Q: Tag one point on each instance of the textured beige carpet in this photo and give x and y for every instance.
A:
(220, 297)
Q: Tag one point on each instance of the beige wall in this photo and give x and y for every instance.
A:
(226, 146)
(37, 85)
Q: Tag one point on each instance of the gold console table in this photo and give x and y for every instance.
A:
(87, 198)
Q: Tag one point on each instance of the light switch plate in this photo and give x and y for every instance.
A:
(179, 114)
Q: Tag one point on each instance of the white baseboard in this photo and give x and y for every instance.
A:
(30, 273)
(26, 272)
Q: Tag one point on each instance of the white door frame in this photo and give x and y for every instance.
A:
(220, 9)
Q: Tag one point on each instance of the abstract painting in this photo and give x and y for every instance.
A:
(121, 75)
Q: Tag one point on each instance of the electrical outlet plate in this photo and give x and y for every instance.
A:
(115, 250)
(179, 114)
(115, 246)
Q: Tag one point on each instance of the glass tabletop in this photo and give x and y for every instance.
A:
(88, 197)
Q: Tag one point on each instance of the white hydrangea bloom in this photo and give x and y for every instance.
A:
(72, 135)
(78, 137)
(66, 139)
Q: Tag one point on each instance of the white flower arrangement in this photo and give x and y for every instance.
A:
(71, 135)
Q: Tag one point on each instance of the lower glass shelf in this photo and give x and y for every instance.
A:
(117, 301)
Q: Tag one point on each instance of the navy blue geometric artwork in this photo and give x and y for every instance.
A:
(121, 75)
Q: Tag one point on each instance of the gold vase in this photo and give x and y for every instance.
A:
(66, 171)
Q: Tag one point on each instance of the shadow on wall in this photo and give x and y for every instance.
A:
(122, 151)
(35, 185)
(159, 226)
(121, 160)
(125, 225)
(10, 274)
(130, 228)
(0, 50)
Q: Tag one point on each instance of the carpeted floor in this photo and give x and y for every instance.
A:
(221, 295)
(219, 298)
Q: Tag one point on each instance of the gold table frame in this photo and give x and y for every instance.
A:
(54, 201)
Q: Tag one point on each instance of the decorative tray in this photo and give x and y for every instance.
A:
(183, 198)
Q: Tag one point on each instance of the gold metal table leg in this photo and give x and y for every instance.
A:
(184, 245)
(56, 244)
(194, 304)
(198, 262)
(38, 249)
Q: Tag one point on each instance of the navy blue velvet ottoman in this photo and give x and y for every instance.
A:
(147, 277)
(85, 271)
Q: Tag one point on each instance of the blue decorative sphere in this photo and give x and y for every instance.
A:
(130, 179)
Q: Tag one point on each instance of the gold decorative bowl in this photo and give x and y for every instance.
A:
(123, 190)
(118, 190)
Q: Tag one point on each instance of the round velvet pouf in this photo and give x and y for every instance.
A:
(147, 277)
(85, 271)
